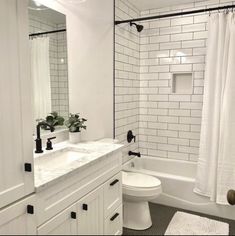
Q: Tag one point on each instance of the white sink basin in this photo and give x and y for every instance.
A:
(61, 159)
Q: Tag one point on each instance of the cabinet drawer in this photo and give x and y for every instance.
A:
(64, 223)
(113, 224)
(112, 194)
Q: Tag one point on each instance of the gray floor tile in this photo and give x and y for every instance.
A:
(161, 217)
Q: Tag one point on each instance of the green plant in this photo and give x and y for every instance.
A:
(54, 120)
(75, 123)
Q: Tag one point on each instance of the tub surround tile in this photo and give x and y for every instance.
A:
(164, 47)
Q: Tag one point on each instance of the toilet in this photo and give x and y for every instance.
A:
(138, 190)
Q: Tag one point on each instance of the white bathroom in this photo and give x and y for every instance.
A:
(116, 117)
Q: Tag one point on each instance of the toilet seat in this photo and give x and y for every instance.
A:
(137, 180)
(140, 186)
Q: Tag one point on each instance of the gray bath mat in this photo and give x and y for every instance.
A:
(188, 224)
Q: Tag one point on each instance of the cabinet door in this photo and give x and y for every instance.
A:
(64, 223)
(15, 220)
(90, 214)
(15, 103)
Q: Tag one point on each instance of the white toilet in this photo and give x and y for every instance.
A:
(138, 190)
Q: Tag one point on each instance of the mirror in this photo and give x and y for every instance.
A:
(49, 62)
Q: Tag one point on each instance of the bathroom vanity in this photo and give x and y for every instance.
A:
(72, 189)
(78, 191)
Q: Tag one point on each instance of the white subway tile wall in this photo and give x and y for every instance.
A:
(169, 124)
(127, 76)
(58, 63)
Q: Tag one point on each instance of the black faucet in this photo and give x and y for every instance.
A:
(137, 154)
(39, 140)
(130, 137)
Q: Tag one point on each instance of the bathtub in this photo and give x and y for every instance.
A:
(178, 181)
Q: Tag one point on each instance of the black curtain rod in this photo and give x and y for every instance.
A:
(175, 14)
(48, 32)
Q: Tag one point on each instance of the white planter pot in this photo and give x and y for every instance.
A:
(75, 138)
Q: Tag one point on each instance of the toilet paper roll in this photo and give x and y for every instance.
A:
(231, 197)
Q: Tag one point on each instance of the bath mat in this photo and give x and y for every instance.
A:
(188, 224)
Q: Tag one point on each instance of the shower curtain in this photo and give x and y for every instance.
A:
(216, 165)
(40, 75)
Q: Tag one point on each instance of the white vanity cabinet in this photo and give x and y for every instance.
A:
(19, 218)
(89, 203)
(15, 103)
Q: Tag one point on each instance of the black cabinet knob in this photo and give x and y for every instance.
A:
(30, 209)
(28, 167)
(114, 182)
(85, 207)
(74, 215)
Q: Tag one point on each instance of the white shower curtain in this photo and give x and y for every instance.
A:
(40, 74)
(216, 166)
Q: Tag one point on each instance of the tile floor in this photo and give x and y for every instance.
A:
(161, 217)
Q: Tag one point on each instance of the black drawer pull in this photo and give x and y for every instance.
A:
(30, 209)
(114, 217)
(74, 215)
(85, 207)
(114, 182)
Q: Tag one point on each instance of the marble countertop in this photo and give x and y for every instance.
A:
(66, 159)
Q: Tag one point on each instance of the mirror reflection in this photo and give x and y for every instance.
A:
(49, 64)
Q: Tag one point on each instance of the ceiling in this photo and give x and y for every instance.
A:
(152, 4)
(46, 13)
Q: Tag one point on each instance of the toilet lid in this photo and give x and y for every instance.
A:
(137, 180)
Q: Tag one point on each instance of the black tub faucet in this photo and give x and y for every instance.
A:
(137, 154)
(39, 140)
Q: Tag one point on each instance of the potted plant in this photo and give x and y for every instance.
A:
(75, 124)
(54, 120)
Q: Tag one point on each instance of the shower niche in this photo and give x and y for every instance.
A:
(182, 83)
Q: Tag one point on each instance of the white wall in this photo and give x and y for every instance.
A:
(90, 58)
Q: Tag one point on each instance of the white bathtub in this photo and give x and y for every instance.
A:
(178, 180)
